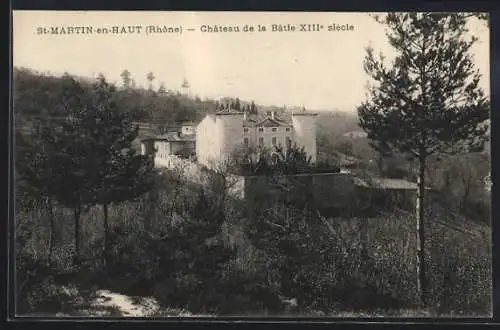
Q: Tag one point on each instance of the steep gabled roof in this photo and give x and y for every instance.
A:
(263, 120)
(269, 122)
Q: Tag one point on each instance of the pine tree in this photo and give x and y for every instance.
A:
(428, 102)
(87, 158)
(123, 174)
(295, 245)
(237, 105)
(68, 154)
(253, 108)
(35, 179)
(162, 90)
(126, 78)
(201, 255)
(44, 164)
(150, 77)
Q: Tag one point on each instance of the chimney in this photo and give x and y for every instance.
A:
(273, 115)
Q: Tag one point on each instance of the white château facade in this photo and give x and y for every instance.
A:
(218, 135)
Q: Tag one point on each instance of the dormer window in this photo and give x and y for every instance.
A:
(275, 129)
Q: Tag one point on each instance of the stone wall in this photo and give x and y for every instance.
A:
(333, 193)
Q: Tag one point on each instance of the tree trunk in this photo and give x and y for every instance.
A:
(76, 258)
(421, 269)
(380, 164)
(52, 228)
(467, 182)
(106, 249)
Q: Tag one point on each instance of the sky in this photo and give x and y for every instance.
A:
(319, 70)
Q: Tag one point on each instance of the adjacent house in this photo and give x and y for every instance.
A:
(169, 146)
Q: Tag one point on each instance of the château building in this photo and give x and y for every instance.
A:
(219, 134)
(189, 148)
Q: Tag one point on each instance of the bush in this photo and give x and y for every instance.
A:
(368, 264)
(41, 288)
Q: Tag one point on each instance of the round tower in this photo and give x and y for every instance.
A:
(230, 132)
(304, 132)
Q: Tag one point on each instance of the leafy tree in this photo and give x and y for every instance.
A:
(290, 160)
(277, 161)
(237, 105)
(428, 101)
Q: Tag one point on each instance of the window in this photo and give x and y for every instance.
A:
(245, 130)
(274, 140)
(245, 141)
(261, 129)
(288, 129)
(274, 129)
(261, 141)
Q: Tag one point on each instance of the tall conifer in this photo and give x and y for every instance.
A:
(427, 101)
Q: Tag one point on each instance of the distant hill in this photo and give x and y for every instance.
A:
(39, 96)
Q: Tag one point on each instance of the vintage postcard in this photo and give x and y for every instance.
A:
(251, 164)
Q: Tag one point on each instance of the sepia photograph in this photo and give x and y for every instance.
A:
(183, 164)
